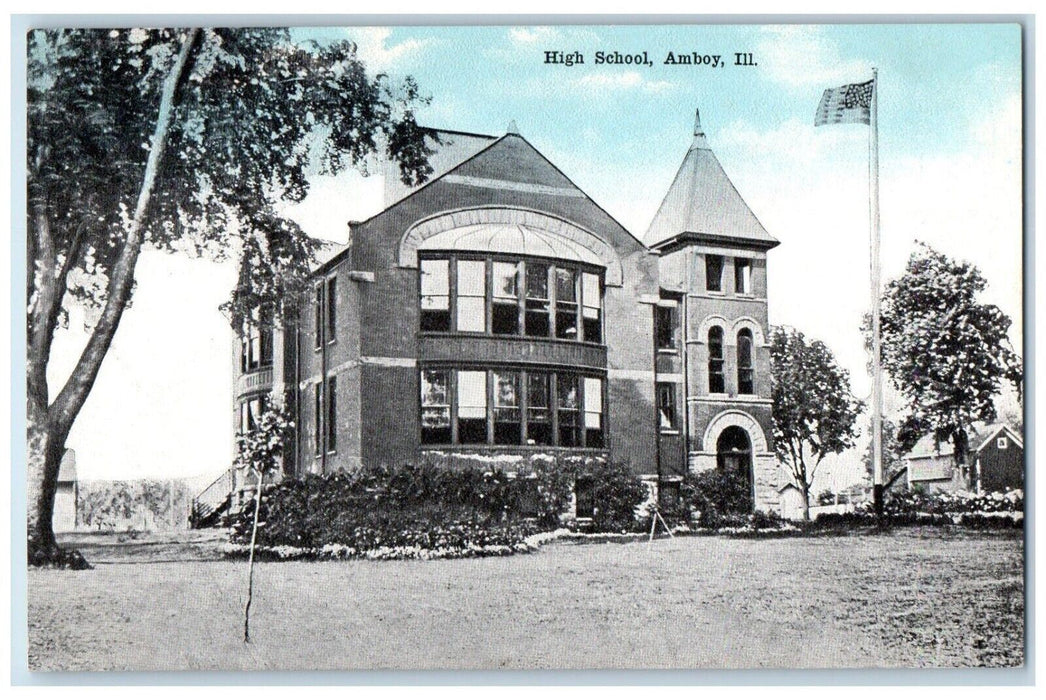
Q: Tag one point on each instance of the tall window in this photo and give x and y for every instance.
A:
(539, 418)
(666, 406)
(317, 414)
(714, 273)
(593, 412)
(665, 327)
(505, 305)
(256, 342)
(507, 426)
(591, 299)
(332, 414)
(537, 300)
(435, 295)
(435, 407)
(472, 407)
(318, 316)
(745, 383)
(742, 275)
(716, 383)
(472, 295)
(332, 309)
(567, 410)
(250, 411)
(566, 303)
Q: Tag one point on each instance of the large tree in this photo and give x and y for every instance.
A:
(814, 410)
(947, 353)
(180, 140)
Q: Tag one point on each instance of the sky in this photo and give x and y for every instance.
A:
(950, 153)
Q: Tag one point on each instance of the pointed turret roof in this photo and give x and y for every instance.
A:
(703, 203)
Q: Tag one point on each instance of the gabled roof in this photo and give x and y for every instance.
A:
(703, 202)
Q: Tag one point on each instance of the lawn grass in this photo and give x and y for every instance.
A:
(916, 597)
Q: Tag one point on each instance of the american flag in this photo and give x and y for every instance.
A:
(849, 104)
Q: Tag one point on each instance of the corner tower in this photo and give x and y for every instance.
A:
(712, 363)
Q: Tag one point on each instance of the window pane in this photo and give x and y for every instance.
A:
(435, 278)
(332, 305)
(744, 362)
(714, 273)
(566, 285)
(332, 414)
(472, 307)
(507, 429)
(743, 275)
(537, 281)
(716, 383)
(566, 303)
(472, 407)
(506, 277)
(665, 327)
(435, 408)
(593, 412)
(666, 405)
(472, 277)
(318, 316)
(590, 290)
(539, 420)
(567, 403)
(537, 305)
(316, 413)
(591, 297)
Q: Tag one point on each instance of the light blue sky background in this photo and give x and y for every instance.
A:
(950, 155)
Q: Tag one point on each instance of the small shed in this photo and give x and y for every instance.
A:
(791, 500)
(67, 495)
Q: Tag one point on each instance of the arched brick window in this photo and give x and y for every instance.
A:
(745, 372)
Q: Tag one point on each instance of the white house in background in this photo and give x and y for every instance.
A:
(65, 500)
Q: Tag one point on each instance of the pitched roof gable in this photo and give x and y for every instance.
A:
(702, 200)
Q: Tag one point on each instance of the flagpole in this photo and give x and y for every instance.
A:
(877, 372)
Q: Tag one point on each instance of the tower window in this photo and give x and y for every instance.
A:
(716, 384)
(539, 419)
(742, 275)
(714, 273)
(745, 382)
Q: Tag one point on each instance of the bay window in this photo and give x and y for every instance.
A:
(508, 406)
(521, 297)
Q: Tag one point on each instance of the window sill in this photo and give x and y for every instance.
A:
(668, 351)
(669, 432)
(484, 447)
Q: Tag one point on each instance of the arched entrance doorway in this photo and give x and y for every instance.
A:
(734, 457)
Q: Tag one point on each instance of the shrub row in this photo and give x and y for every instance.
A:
(430, 508)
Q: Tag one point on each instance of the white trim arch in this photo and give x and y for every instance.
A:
(706, 325)
(570, 233)
(751, 324)
(733, 417)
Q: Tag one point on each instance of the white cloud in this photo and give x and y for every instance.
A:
(532, 35)
(373, 47)
(802, 56)
(629, 80)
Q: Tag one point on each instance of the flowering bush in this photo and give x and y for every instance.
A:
(960, 508)
(720, 499)
(616, 493)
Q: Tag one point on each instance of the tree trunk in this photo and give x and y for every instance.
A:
(806, 502)
(44, 458)
(49, 424)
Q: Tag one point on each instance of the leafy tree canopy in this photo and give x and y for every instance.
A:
(814, 410)
(254, 114)
(947, 353)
